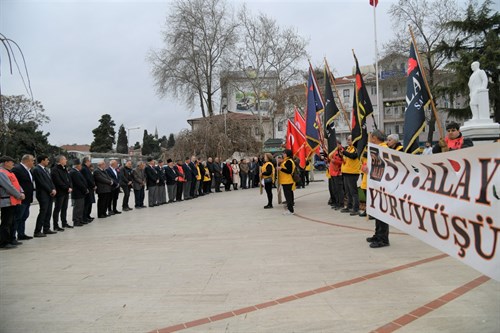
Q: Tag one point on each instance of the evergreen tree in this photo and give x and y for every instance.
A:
(163, 142)
(479, 41)
(147, 146)
(104, 135)
(137, 145)
(171, 141)
(26, 138)
(122, 142)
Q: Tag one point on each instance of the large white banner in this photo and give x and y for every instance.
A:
(449, 200)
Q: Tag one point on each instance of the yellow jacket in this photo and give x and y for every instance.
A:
(198, 175)
(285, 174)
(264, 170)
(206, 177)
(351, 165)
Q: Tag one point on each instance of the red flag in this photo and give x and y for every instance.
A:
(294, 138)
(374, 2)
(299, 121)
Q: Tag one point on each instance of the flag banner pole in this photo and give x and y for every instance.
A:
(376, 63)
(332, 80)
(433, 106)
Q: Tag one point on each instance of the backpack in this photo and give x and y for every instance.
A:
(296, 174)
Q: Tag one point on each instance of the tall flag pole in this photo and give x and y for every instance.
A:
(331, 111)
(362, 108)
(332, 80)
(314, 106)
(374, 3)
(417, 98)
(434, 110)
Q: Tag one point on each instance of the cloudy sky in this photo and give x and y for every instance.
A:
(88, 58)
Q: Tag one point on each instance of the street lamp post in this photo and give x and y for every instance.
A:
(128, 134)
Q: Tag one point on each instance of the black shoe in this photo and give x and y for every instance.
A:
(82, 222)
(371, 218)
(7, 246)
(15, 242)
(363, 213)
(49, 232)
(111, 213)
(268, 206)
(39, 235)
(68, 226)
(117, 212)
(24, 237)
(90, 218)
(345, 210)
(58, 229)
(77, 224)
(371, 239)
(102, 216)
(354, 213)
(375, 245)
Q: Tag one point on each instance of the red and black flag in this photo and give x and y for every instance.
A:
(331, 111)
(417, 99)
(362, 108)
(314, 105)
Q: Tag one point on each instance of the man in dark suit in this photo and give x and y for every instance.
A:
(22, 212)
(104, 185)
(188, 174)
(112, 172)
(126, 181)
(78, 194)
(152, 181)
(194, 172)
(90, 197)
(172, 176)
(60, 178)
(45, 192)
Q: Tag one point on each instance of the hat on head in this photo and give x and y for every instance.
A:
(169, 160)
(77, 161)
(6, 158)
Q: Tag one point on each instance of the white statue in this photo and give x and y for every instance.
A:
(478, 84)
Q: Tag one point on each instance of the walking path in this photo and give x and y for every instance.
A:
(223, 264)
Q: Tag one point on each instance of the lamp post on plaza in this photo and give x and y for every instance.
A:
(128, 135)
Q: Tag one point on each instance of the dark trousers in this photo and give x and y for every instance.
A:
(103, 200)
(206, 186)
(87, 210)
(179, 191)
(113, 200)
(43, 218)
(60, 208)
(187, 189)
(218, 180)
(381, 231)
(21, 214)
(269, 191)
(152, 196)
(338, 191)
(351, 186)
(78, 208)
(251, 177)
(306, 174)
(244, 180)
(172, 192)
(139, 197)
(192, 189)
(6, 224)
(302, 179)
(331, 191)
(227, 185)
(126, 196)
(287, 191)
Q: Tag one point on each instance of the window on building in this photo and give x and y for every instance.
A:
(280, 125)
(346, 92)
(256, 130)
(394, 90)
(388, 110)
(396, 129)
(374, 90)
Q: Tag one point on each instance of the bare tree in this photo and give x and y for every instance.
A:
(268, 58)
(20, 109)
(198, 37)
(428, 19)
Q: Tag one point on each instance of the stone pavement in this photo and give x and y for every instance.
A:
(221, 263)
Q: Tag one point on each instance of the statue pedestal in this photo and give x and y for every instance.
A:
(481, 130)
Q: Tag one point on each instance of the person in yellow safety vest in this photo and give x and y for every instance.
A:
(199, 181)
(207, 180)
(267, 176)
(381, 236)
(285, 177)
(11, 195)
(364, 179)
(393, 142)
(350, 173)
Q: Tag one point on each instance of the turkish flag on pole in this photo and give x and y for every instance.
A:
(374, 2)
(299, 121)
(294, 138)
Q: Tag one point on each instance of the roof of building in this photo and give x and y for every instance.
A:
(75, 147)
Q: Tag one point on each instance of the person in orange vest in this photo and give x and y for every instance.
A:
(453, 140)
(337, 182)
(11, 195)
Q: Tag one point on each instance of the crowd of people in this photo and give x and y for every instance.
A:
(174, 182)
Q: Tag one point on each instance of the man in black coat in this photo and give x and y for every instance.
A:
(161, 193)
(90, 197)
(188, 174)
(112, 172)
(22, 212)
(171, 179)
(194, 172)
(152, 181)
(45, 192)
(126, 181)
(60, 178)
(78, 194)
(104, 185)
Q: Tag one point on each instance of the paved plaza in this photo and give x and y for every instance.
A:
(221, 263)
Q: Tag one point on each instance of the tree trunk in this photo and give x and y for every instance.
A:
(202, 105)
(432, 127)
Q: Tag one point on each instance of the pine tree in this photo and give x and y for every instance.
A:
(479, 41)
(137, 145)
(104, 135)
(171, 141)
(146, 145)
(122, 142)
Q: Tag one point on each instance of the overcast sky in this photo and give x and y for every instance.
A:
(88, 58)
